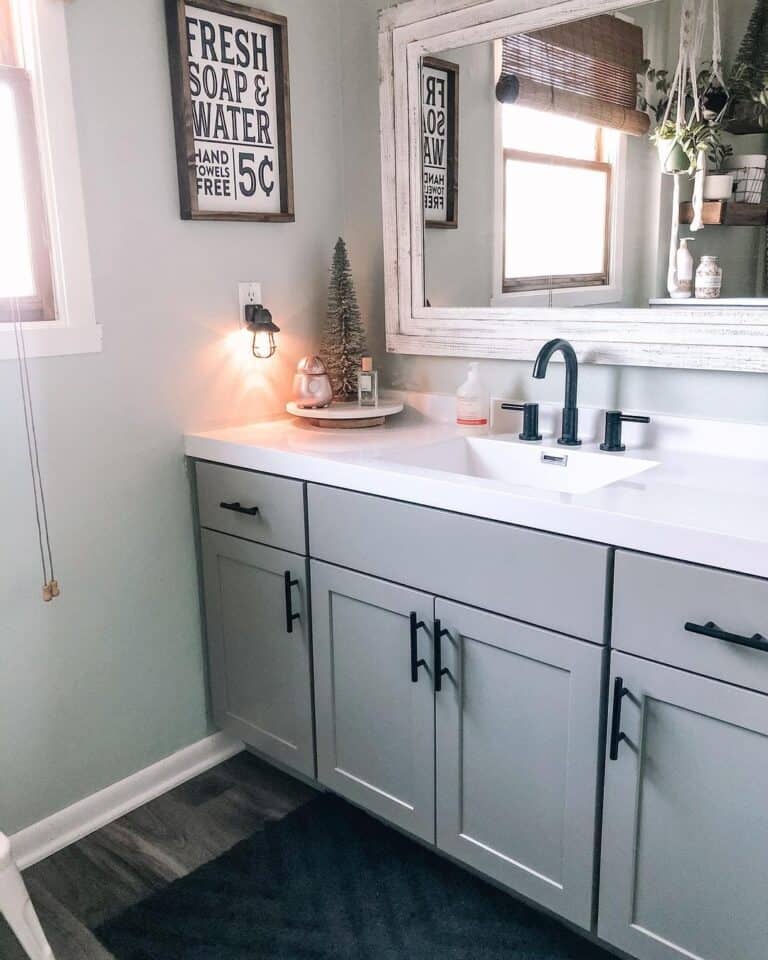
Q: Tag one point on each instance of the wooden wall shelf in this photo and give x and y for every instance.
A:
(728, 213)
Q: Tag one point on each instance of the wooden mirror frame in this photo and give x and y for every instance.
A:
(717, 338)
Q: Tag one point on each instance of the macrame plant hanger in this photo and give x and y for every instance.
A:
(716, 97)
(50, 584)
(715, 90)
(693, 16)
(697, 221)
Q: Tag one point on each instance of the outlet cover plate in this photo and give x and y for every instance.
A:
(249, 291)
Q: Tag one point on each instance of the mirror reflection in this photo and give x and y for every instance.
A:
(617, 161)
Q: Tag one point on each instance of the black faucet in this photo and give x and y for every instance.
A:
(570, 436)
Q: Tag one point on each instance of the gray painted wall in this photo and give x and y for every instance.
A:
(685, 392)
(110, 678)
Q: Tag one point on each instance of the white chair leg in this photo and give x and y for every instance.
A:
(17, 908)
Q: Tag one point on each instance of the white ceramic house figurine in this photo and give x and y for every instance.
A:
(17, 908)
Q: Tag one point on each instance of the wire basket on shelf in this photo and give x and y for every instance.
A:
(748, 177)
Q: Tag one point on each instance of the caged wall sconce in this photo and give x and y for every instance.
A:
(258, 320)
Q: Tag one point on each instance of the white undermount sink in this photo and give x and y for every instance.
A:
(561, 469)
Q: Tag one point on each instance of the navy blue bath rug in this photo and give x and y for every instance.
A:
(329, 882)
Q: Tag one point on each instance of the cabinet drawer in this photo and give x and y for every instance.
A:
(544, 579)
(654, 599)
(279, 520)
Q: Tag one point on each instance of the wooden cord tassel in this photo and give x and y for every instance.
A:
(51, 591)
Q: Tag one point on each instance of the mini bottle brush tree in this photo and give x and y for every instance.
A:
(342, 345)
(750, 70)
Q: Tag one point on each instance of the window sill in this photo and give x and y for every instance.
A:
(48, 340)
(574, 297)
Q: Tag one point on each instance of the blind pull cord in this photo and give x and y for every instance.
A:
(50, 584)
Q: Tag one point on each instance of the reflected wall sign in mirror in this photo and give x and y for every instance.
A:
(583, 167)
(440, 161)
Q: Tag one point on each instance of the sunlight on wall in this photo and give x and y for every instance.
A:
(15, 258)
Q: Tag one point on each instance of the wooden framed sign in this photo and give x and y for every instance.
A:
(440, 142)
(232, 110)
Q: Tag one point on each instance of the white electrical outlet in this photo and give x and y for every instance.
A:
(248, 292)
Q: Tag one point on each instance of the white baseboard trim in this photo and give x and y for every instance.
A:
(46, 837)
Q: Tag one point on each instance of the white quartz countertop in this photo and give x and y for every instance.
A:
(706, 501)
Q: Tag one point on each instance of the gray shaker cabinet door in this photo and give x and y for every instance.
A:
(685, 825)
(518, 748)
(375, 726)
(261, 675)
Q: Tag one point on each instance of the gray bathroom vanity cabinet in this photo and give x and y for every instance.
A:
(586, 726)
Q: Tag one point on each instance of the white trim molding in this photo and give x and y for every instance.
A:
(46, 56)
(48, 836)
(717, 338)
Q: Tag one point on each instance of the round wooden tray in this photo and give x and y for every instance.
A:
(345, 415)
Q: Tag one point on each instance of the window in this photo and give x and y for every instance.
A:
(25, 267)
(556, 224)
(44, 256)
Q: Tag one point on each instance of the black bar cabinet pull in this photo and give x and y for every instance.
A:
(619, 692)
(440, 671)
(239, 508)
(290, 616)
(416, 625)
(757, 642)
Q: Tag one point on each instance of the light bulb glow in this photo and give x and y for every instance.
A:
(263, 345)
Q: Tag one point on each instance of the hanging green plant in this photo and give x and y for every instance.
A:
(679, 149)
(672, 157)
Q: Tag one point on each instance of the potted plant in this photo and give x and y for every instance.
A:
(749, 111)
(680, 146)
(668, 142)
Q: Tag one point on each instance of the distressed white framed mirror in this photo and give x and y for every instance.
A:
(525, 127)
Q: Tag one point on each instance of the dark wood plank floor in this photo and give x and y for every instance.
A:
(101, 875)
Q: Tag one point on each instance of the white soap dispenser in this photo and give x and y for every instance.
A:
(472, 403)
(684, 258)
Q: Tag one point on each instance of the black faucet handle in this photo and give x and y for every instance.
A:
(613, 421)
(530, 420)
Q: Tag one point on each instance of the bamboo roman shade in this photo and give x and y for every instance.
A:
(587, 69)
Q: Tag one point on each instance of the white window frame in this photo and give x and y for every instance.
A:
(686, 337)
(46, 56)
(613, 291)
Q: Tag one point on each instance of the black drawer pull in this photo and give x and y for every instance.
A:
(239, 508)
(619, 692)
(440, 671)
(757, 642)
(416, 625)
(290, 616)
